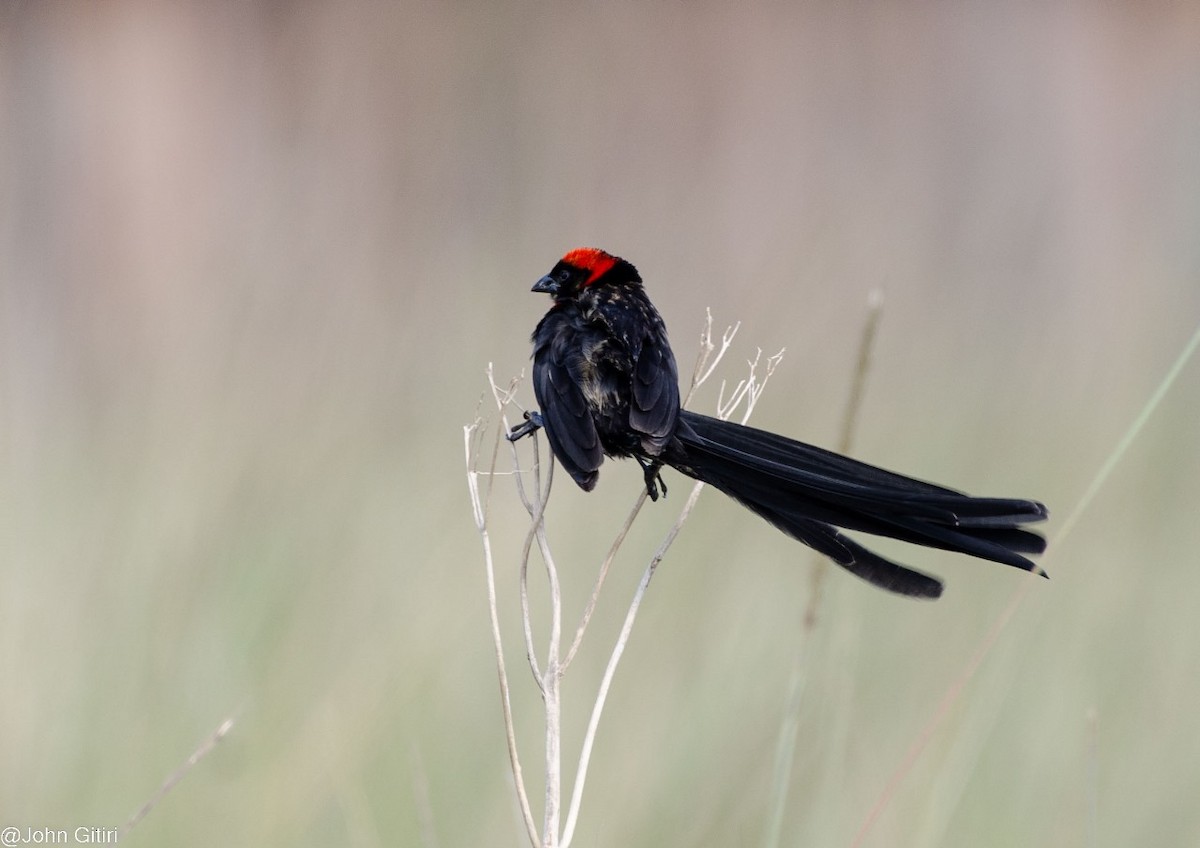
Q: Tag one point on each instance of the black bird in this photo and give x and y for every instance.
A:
(606, 381)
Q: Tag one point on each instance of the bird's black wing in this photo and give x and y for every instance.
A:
(655, 404)
(654, 378)
(566, 418)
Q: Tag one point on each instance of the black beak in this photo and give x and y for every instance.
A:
(546, 285)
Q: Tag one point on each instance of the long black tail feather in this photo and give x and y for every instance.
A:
(808, 492)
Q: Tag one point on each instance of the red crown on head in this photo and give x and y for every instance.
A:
(590, 259)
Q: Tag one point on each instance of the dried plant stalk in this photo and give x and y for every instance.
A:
(549, 668)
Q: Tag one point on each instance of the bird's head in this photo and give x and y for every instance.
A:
(584, 267)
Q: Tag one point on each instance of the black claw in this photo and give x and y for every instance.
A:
(533, 423)
(654, 479)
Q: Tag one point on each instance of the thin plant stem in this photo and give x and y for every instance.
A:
(480, 507)
(549, 673)
(551, 689)
(549, 679)
(536, 507)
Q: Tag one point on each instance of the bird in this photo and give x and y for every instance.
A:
(607, 385)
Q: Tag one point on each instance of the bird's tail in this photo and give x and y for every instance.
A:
(808, 492)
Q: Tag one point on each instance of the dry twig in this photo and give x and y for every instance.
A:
(549, 670)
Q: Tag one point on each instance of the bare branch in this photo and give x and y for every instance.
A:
(472, 434)
(548, 673)
(704, 367)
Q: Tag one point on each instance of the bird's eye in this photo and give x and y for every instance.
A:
(564, 274)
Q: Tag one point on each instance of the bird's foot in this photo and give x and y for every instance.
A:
(533, 423)
(654, 479)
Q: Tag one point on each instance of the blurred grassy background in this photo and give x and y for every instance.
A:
(254, 258)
